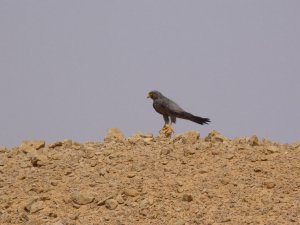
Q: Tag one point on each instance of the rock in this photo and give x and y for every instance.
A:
(36, 144)
(148, 141)
(28, 150)
(179, 222)
(269, 184)
(146, 135)
(257, 169)
(67, 142)
(139, 137)
(114, 134)
(37, 206)
(150, 200)
(189, 137)
(225, 181)
(34, 221)
(215, 136)
(134, 139)
(144, 204)
(187, 198)
(101, 201)
(131, 174)
(188, 151)
(58, 223)
(253, 141)
(2, 149)
(165, 151)
(102, 171)
(34, 205)
(82, 198)
(272, 149)
(131, 192)
(55, 144)
(111, 204)
(180, 189)
(1, 162)
(38, 160)
(120, 199)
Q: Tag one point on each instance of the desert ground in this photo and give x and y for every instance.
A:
(145, 180)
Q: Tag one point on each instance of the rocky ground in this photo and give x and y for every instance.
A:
(143, 179)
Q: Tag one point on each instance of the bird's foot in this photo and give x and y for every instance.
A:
(167, 130)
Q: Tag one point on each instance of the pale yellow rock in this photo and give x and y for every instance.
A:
(82, 198)
(114, 134)
(131, 192)
(215, 136)
(36, 144)
(111, 204)
(189, 137)
(55, 144)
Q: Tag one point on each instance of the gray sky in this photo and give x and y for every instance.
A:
(73, 69)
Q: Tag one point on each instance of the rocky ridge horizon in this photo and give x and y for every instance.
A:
(143, 179)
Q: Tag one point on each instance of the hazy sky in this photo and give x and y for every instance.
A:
(73, 69)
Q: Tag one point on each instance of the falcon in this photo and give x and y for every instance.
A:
(170, 111)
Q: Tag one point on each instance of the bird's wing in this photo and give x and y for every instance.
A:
(166, 106)
(160, 107)
(173, 108)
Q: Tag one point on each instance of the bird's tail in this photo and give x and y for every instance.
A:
(196, 119)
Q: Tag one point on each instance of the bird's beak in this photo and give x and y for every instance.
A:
(148, 96)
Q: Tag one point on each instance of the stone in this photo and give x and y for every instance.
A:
(148, 141)
(253, 141)
(36, 144)
(34, 205)
(180, 189)
(111, 204)
(150, 200)
(134, 139)
(269, 184)
(131, 192)
(28, 150)
(120, 199)
(55, 144)
(67, 142)
(179, 222)
(101, 201)
(37, 206)
(34, 221)
(165, 151)
(58, 223)
(102, 171)
(114, 134)
(144, 204)
(146, 135)
(82, 198)
(189, 137)
(215, 136)
(272, 149)
(131, 174)
(187, 198)
(2, 149)
(188, 151)
(38, 160)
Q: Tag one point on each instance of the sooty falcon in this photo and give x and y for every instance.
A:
(170, 111)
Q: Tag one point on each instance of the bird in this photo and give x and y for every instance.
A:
(170, 111)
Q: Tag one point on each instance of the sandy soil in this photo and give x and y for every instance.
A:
(143, 179)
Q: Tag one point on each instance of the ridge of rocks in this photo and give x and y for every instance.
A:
(144, 179)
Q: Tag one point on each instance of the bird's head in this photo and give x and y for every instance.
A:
(154, 95)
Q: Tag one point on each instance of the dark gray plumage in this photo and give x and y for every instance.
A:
(170, 110)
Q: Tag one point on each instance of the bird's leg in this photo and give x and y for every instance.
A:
(167, 130)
